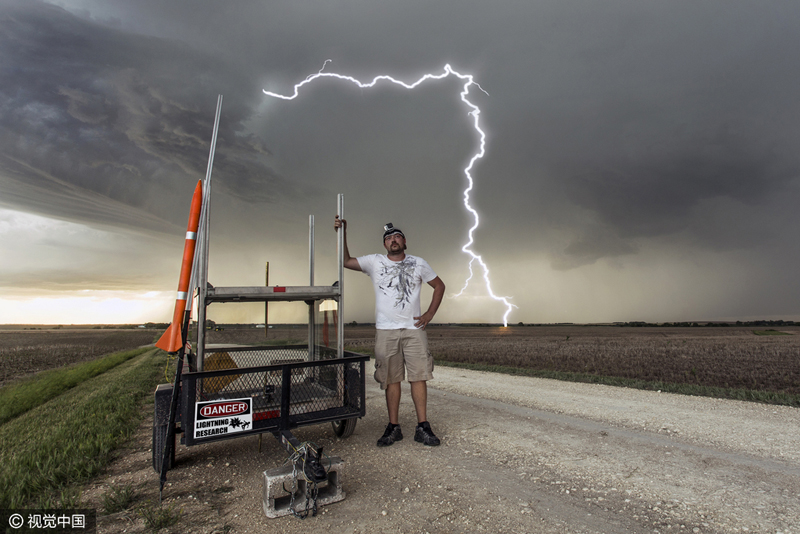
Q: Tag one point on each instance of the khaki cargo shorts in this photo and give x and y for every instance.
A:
(401, 351)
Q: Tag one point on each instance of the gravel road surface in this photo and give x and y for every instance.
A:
(518, 455)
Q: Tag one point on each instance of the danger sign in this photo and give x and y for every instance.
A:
(229, 416)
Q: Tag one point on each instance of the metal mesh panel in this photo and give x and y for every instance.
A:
(253, 356)
(247, 356)
(291, 392)
(325, 391)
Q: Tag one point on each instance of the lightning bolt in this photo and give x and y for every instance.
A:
(479, 153)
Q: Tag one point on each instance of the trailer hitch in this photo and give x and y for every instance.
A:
(306, 459)
(306, 462)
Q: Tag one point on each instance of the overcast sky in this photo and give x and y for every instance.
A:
(641, 156)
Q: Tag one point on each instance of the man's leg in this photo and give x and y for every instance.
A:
(419, 364)
(393, 402)
(389, 371)
(423, 433)
(392, 432)
(419, 394)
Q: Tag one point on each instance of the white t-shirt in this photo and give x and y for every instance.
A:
(398, 285)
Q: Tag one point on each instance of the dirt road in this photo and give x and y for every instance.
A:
(519, 455)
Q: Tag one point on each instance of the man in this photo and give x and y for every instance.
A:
(401, 343)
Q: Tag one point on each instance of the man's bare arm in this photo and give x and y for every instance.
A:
(349, 261)
(436, 300)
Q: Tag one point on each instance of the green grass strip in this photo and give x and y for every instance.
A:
(767, 397)
(770, 333)
(69, 439)
(28, 393)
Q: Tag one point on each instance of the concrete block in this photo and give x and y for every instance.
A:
(278, 484)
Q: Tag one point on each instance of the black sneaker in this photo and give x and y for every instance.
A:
(390, 436)
(425, 435)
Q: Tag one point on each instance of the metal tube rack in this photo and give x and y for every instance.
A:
(258, 389)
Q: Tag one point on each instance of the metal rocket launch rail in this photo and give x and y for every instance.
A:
(194, 274)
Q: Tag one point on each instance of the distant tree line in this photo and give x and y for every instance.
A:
(779, 322)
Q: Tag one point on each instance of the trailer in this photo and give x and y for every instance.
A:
(272, 389)
(228, 391)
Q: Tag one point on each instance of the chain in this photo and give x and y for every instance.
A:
(311, 496)
(312, 490)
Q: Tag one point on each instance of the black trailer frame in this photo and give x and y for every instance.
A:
(282, 397)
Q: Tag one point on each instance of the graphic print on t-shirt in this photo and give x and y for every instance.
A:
(397, 280)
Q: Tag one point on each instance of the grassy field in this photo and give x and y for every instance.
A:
(68, 398)
(29, 392)
(730, 362)
(68, 439)
(24, 352)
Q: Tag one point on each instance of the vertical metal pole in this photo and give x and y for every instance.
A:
(205, 216)
(340, 262)
(312, 331)
(266, 305)
(286, 396)
(266, 330)
(311, 250)
(193, 286)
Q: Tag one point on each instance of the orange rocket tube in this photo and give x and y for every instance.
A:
(171, 339)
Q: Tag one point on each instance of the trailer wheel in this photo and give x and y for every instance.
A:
(344, 428)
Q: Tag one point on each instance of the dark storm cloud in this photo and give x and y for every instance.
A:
(622, 135)
(91, 113)
(649, 198)
(641, 114)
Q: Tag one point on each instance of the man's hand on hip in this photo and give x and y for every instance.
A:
(423, 320)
